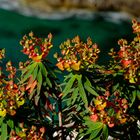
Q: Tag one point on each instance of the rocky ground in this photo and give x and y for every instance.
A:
(60, 9)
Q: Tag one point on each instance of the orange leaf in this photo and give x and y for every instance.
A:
(31, 84)
(22, 88)
(48, 105)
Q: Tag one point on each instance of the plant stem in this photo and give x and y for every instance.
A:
(61, 136)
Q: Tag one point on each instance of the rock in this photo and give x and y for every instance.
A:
(130, 6)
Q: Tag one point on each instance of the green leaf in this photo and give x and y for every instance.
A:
(95, 133)
(100, 88)
(115, 87)
(134, 94)
(48, 82)
(39, 77)
(38, 88)
(111, 111)
(35, 72)
(98, 138)
(89, 88)
(105, 133)
(29, 72)
(10, 123)
(88, 82)
(4, 133)
(94, 125)
(43, 70)
(1, 120)
(72, 98)
(17, 129)
(68, 76)
(88, 132)
(97, 125)
(39, 81)
(26, 69)
(45, 74)
(81, 90)
(68, 101)
(93, 128)
(74, 95)
(68, 86)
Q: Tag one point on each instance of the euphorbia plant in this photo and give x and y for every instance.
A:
(11, 97)
(36, 88)
(92, 101)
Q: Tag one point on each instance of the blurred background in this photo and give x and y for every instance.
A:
(105, 21)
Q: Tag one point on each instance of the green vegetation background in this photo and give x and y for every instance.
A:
(104, 32)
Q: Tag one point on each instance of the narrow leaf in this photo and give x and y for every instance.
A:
(98, 138)
(68, 76)
(1, 120)
(4, 133)
(74, 95)
(35, 72)
(134, 94)
(45, 74)
(10, 123)
(32, 87)
(93, 125)
(26, 68)
(81, 90)
(39, 81)
(90, 89)
(39, 77)
(29, 72)
(95, 133)
(105, 133)
(88, 82)
(68, 86)
(48, 82)
(43, 69)
(115, 87)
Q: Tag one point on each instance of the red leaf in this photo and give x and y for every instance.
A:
(31, 84)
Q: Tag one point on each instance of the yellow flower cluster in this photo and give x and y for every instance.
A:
(10, 100)
(11, 97)
(77, 55)
(110, 110)
(36, 48)
(31, 133)
(128, 57)
(2, 53)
